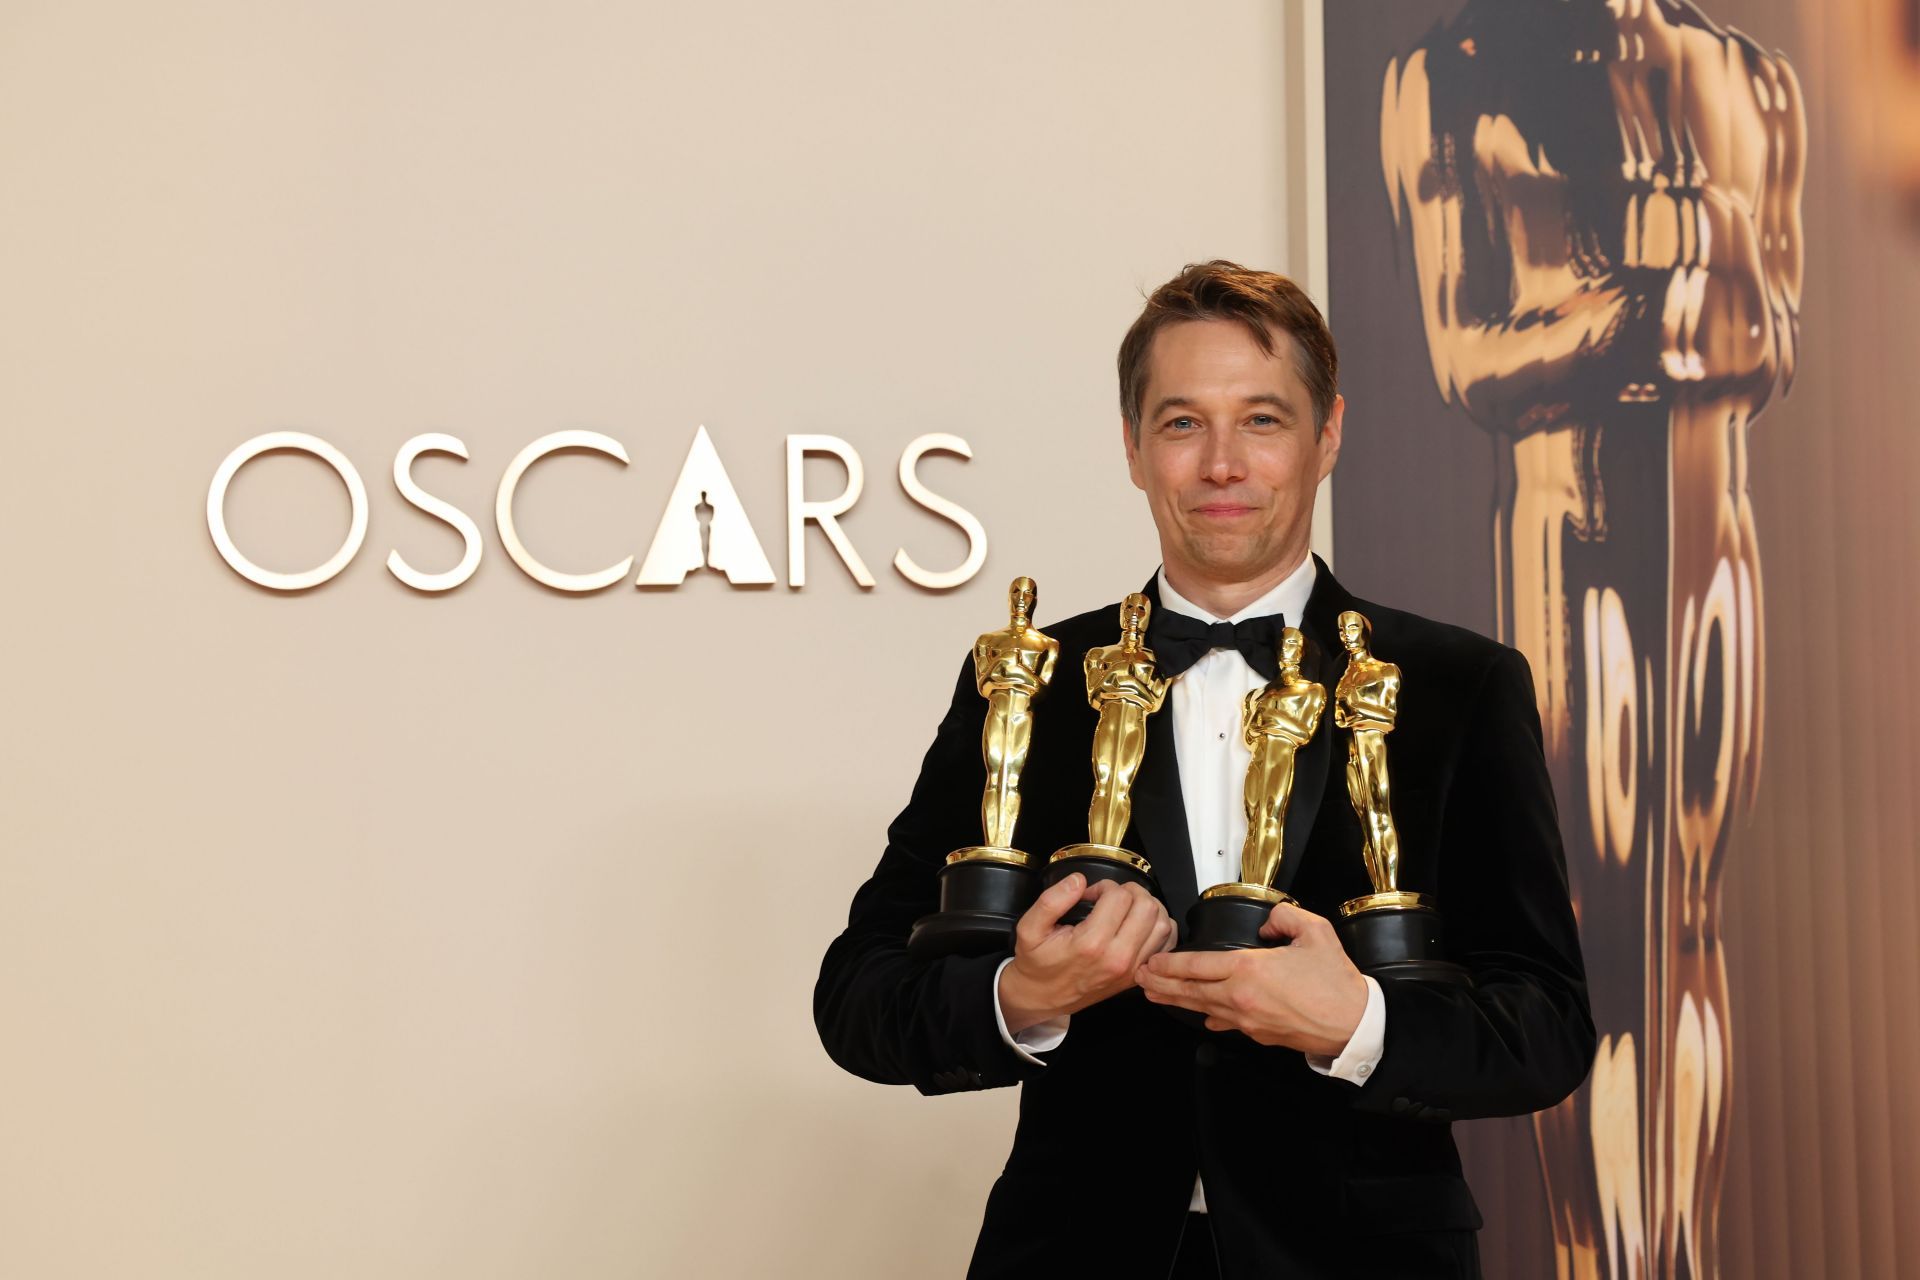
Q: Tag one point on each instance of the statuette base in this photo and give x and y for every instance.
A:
(1228, 918)
(1397, 935)
(1391, 898)
(1098, 862)
(983, 893)
(991, 853)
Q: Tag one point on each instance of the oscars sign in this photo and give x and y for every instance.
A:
(726, 543)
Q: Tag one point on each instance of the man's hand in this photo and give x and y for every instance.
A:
(1306, 996)
(1060, 969)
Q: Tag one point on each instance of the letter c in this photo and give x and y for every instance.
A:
(503, 511)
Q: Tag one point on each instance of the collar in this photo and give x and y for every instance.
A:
(1290, 597)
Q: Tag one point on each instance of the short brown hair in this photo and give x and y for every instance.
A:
(1264, 302)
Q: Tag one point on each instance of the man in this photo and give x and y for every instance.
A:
(1258, 1113)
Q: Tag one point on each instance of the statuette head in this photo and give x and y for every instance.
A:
(1021, 598)
(1293, 649)
(1355, 631)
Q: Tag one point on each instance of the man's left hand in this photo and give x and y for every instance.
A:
(1305, 996)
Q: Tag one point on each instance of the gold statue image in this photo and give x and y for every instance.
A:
(1275, 722)
(1366, 702)
(1609, 264)
(1122, 687)
(985, 888)
(1012, 667)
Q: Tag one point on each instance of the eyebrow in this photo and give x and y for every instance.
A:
(1281, 403)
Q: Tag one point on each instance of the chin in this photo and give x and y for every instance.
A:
(1224, 564)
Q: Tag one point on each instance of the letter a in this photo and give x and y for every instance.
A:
(731, 546)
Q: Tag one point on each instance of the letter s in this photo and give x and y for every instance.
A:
(943, 507)
(433, 442)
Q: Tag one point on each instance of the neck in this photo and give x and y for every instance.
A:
(1223, 599)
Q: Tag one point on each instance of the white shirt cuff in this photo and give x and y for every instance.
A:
(1041, 1037)
(1362, 1054)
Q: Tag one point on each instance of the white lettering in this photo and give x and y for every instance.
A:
(730, 544)
(434, 442)
(503, 511)
(704, 525)
(799, 510)
(944, 507)
(217, 509)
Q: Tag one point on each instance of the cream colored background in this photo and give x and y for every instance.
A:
(365, 933)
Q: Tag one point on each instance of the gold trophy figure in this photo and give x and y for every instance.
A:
(1012, 667)
(1123, 687)
(1366, 702)
(985, 888)
(1275, 722)
(1388, 931)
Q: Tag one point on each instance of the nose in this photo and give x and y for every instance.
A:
(1224, 460)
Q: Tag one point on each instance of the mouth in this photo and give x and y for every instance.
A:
(1223, 510)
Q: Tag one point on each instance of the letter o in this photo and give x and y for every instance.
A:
(217, 515)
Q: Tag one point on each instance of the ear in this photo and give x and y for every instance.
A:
(1132, 447)
(1329, 442)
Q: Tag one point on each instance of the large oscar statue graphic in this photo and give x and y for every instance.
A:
(1603, 206)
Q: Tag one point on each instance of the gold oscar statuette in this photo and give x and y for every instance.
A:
(1275, 722)
(985, 888)
(1124, 689)
(1390, 931)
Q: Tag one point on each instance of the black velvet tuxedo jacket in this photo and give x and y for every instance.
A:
(1306, 1176)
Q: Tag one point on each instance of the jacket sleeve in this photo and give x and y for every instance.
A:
(892, 1019)
(1521, 1038)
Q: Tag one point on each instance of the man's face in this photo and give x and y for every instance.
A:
(1227, 455)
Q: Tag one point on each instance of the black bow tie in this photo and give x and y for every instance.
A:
(1179, 641)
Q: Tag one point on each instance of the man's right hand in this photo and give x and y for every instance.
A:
(1060, 969)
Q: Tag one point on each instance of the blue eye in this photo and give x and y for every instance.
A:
(1265, 420)
(1179, 423)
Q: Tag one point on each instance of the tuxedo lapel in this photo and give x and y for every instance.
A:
(1323, 665)
(1160, 817)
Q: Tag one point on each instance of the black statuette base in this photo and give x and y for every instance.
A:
(1227, 923)
(1095, 868)
(1399, 942)
(980, 902)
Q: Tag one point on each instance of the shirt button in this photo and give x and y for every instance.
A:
(1223, 737)
(1362, 1070)
(1219, 853)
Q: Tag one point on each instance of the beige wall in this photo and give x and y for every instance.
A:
(376, 934)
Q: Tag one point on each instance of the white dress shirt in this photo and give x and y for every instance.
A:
(1213, 759)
